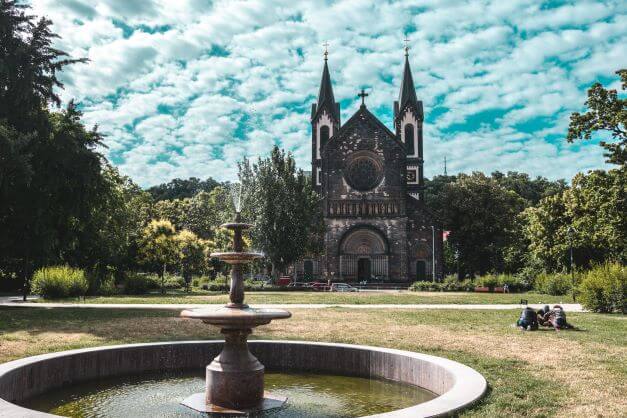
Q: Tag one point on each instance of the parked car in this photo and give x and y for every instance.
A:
(343, 287)
(319, 286)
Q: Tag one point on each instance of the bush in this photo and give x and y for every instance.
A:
(556, 284)
(603, 288)
(173, 282)
(107, 287)
(139, 283)
(426, 287)
(59, 282)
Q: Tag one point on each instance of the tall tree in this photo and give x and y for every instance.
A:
(594, 207)
(182, 188)
(283, 206)
(481, 216)
(607, 112)
(159, 247)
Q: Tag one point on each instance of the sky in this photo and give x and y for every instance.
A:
(189, 87)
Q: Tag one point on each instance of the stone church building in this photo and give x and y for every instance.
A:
(370, 180)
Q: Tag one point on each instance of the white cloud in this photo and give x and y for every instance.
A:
(171, 82)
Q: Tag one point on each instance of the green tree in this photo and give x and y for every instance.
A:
(182, 188)
(282, 204)
(606, 112)
(192, 254)
(159, 247)
(595, 208)
(481, 217)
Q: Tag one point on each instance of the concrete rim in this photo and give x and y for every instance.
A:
(458, 386)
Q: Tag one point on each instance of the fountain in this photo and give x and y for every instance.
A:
(235, 378)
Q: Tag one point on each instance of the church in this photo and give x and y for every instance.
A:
(371, 186)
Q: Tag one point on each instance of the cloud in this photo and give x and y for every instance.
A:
(187, 88)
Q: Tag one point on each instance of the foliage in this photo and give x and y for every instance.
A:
(556, 284)
(283, 206)
(182, 188)
(139, 283)
(59, 282)
(606, 112)
(604, 288)
(480, 215)
(159, 247)
(192, 252)
(594, 208)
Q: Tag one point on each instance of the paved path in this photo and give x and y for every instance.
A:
(569, 307)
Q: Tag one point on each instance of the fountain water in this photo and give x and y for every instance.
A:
(235, 378)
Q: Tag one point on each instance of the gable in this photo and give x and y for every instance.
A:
(369, 130)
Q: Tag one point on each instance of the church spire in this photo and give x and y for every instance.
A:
(408, 91)
(326, 99)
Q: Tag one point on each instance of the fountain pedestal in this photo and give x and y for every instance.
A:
(234, 382)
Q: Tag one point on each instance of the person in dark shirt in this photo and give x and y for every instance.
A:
(555, 318)
(528, 320)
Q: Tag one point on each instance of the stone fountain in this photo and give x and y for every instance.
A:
(234, 382)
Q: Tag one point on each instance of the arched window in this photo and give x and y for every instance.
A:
(324, 136)
(409, 139)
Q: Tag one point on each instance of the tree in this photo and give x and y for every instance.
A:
(182, 188)
(594, 207)
(481, 217)
(282, 204)
(192, 254)
(606, 112)
(159, 247)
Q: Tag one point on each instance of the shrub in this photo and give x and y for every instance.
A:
(603, 288)
(556, 284)
(59, 282)
(426, 287)
(173, 282)
(139, 283)
(107, 287)
(195, 282)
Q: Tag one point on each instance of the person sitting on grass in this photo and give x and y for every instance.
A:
(528, 320)
(555, 318)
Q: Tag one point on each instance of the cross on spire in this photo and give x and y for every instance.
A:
(363, 96)
(326, 50)
(406, 40)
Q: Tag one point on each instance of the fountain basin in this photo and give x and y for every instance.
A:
(456, 385)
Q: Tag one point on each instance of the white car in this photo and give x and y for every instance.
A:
(343, 287)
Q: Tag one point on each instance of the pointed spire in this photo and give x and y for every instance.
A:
(326, 89)
(325, 95)
(408, 91)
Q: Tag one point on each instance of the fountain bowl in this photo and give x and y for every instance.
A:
(236, 316)
(457, 386)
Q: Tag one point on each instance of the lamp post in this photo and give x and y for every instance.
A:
(570, 231)
(433, 253)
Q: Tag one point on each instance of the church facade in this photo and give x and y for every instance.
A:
(370, 181)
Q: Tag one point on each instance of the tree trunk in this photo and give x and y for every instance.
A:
(165, 266)
(26, 273)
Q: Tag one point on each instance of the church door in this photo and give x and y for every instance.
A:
(421, 270)
(363, 269)
(308, 267)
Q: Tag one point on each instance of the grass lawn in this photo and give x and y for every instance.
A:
(332, 298)
(571, 373)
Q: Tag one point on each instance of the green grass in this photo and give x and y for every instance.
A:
(543, 373)
(400, 298)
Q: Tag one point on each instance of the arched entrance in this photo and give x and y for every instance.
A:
(363, 254)
(421, 270)
(364, 269)
(308, 269)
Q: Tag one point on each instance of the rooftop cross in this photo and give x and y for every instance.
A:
(326, 50)
(406, 40)
(363, 96)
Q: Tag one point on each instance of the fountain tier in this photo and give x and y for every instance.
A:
(234, 382)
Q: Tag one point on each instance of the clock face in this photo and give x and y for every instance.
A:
(411, 176)
(364, 172)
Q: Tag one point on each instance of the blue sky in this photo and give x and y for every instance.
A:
(188, 87)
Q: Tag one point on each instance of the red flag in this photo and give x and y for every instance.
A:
(445, 235)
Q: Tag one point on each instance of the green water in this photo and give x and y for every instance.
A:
(309, 395)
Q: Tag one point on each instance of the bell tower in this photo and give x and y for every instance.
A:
(325, 122)
(408, 118)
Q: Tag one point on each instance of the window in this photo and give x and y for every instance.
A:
(318, 176)
(411, 175)
(409, 139)
(324, 136)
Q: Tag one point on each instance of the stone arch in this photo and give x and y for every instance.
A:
(363, 240)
